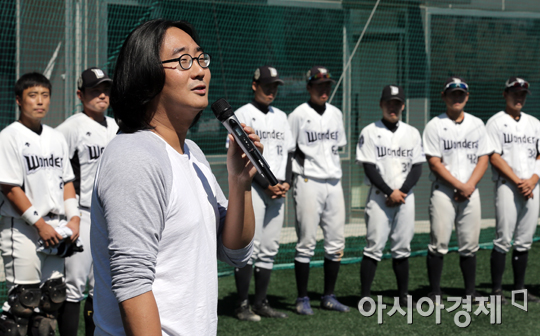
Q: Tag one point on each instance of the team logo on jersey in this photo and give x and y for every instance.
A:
(509, 138)
(88, 134)
(94, 152)
(383, 151)
(34, 162)
(270, 135)
(315, 136)
(449, 144)
(361, 141)
(27, 144)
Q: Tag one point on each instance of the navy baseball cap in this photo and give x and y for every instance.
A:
(393, 92)
(319, 74)
(266, 75)
(92, 77)
(455, 83)
(517, 84)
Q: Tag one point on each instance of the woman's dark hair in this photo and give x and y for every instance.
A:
(139, 75)
(30, 80)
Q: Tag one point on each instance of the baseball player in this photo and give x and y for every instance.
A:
(37, 194)
(392, 155)
(87, 134)
(457, 148)
(271, 126)
(516, 169)
(317, 129)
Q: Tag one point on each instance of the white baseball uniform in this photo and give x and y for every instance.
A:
(459, 145)
(318, 194)
(275, 134)
(86, 140)
(39, 164)
(517, 143)
(393, 153)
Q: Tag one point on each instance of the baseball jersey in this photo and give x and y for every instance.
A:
(393, 153)
(38, 163)
(318, 137)
(459, 145)
(86, 140)
(516, 141)
(275, 134)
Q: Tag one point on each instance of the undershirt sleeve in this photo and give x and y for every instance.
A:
(376, 179)
(412, 178)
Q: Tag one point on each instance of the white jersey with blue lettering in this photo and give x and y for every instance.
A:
(86, 140)
(319, 138)
(275, 134)
(458, 144)
(393, 153)
(516, 141)
(38, 163)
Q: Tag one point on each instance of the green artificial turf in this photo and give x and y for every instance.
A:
(282, 294)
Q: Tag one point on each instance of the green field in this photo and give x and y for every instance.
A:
(282, 294)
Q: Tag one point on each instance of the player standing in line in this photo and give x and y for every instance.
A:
(318, 132)
(457, 148)
(270, 124)
(87, 135)
(392, 155)
(514, 136)
(37, 191)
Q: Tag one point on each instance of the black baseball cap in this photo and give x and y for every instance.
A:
(391, 92)
(517, 84)
(92, 77)
(319, 74)
(455, 83)
(266, 75)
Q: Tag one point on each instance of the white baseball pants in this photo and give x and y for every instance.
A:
(445, 213)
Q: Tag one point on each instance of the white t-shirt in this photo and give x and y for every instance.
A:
(275, 134)
(157, 218)
(393, 153)
(319, 137)
(38, 163)
(87, 139)
(459, 145)
(516, 141)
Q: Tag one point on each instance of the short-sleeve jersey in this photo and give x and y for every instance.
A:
(38, 163)
(319, 138)
(458, 144)
(86, 140)
(275, 134)
(393, 153)
(516, 141)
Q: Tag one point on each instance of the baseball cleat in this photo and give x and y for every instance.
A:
(303, 307)
(499, 292)
(530, 297)
(433, 297)
(265, 310)
(244, 313)
(473, 296)
(403, 302)
(329, 302)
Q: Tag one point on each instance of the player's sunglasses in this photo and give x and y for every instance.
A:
(454, 85)
(320, 75)
(186, 61)
(517, 84)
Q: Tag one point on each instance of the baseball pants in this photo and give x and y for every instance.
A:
(383, 221)
(269, 214)
(319, 202)
(445, 213)
(79, 265)
(516, 217)
(22, 263)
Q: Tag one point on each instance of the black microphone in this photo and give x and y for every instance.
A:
(224, 113)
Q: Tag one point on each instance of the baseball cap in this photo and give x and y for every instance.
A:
(391, 92)
(517, 84)
(319, 74)
(92, 77)
(455, 83)
(266, 75)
